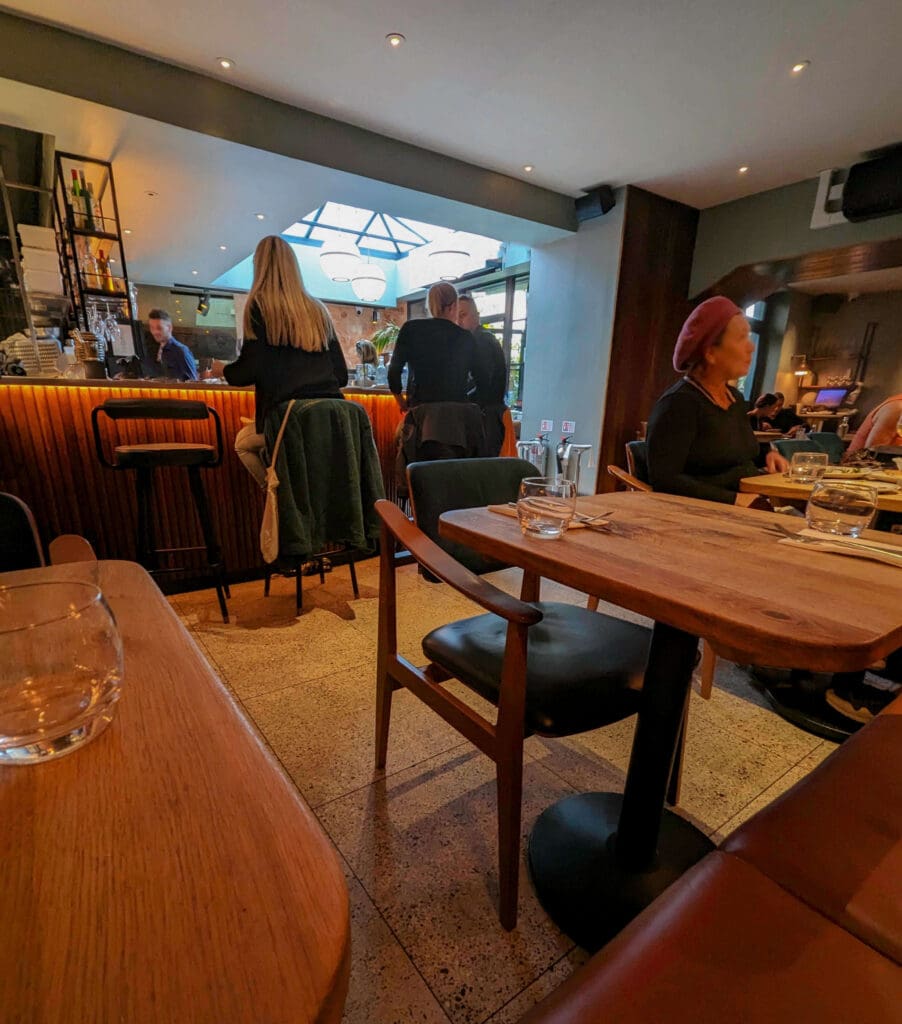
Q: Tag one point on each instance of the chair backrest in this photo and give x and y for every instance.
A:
(830, 444)
(637, 460)
(438, 487)
(20, 545)
(627, 479)
(152, 409)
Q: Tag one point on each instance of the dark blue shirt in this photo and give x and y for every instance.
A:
(177, 360)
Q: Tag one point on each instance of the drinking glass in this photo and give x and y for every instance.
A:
(841, 508)
(807, 467)
(546, 506)
(60, 669)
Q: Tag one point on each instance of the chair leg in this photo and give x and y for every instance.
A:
(299, 589)
(706, 673)
(214, 553)
(509, 776)
(143, 478)
(322, 571)
(592, 604)
(385, 689)
(353, 569)
(266, 581)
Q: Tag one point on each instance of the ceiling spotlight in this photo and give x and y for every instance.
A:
(151, 195)
(225, 62)
(223, 248)
(744, 169)
(127, 231)
(797, 69)
(203, 305)
(528, 168)
(394, 39)
(194, 272)
(261, 216)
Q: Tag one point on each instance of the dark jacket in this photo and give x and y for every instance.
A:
(178, 361)
(490, 353)
(329, 476)
(280, 372)
(441, 358)
(697, 449)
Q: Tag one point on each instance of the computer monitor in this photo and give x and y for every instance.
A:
(830, 398)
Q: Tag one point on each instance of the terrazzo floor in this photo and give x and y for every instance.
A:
(417, 841)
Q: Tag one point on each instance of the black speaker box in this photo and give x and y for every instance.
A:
(874, 188)
(595, 203)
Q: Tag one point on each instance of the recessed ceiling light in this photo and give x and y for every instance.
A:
(798, 68)
(152, 195)
(394, 39)
(528, 168)
(743, 169)
(193, 271)
(225, 62)
(127, 231)
(223, 247)
(261, 216)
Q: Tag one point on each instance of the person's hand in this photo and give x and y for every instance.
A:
(402, 402)
(775, 463)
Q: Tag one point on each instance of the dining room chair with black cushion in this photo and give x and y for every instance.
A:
(830, 444)
(438, 487)
(550, 669)
(20, 543)
(637, 460)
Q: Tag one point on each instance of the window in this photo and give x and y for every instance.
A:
(755, 314)
(502, 310)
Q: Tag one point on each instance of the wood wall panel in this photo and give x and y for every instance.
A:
(652, 303)
(47, 459)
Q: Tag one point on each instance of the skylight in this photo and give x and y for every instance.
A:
(376, 234)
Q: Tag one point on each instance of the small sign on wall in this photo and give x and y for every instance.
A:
(546, 426)
(568, 427)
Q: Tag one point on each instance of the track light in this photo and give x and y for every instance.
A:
(203, 305)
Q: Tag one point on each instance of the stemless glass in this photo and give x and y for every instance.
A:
(60, 669)
(546, 506)
(806, 467)
(841, 508)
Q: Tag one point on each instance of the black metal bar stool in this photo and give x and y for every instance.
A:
(145, 458)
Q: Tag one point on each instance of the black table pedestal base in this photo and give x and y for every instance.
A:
(577, 875)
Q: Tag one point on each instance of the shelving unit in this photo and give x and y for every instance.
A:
(22, 310)
(91, 232)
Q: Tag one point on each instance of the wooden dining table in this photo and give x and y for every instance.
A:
(697, 569)
(168, 870)
(775, 485)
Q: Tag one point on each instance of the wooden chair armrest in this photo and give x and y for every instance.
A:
(632, 482)
(70, 547)
(441, 564)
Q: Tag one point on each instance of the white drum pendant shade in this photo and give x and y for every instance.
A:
(449, 264)
(368, 282)
(340, 259)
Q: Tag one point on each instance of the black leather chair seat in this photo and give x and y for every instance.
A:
(145, 456)
(584, 669)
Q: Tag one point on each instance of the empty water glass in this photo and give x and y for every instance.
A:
(841, 508)
(60, 668)
(545, 506)
(806, 467)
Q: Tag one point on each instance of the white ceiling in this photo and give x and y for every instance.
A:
(673, 95)
(209, 190)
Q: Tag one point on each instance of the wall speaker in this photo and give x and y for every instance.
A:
(595, 203)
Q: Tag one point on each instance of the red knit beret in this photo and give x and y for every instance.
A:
(703, 327)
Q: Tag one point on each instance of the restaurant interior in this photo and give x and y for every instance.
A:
(418, 728)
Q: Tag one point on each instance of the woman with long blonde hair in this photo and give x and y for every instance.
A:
(290, 347)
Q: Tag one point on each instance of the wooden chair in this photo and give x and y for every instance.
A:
(20, 542)
(550, 669)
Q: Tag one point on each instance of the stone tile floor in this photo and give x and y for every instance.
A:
(418, 840)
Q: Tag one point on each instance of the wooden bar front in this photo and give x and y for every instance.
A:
(47, 459)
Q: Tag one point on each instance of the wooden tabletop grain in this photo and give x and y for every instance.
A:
(715, 571)
(775, 485)
(167, 871)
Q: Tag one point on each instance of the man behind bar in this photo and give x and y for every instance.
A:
(176, 359)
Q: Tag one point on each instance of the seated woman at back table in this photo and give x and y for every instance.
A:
(761, 415)
(290, 347)
(880, 427)
(784, 418)
(700, 439)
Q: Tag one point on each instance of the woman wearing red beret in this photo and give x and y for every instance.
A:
(700, 441)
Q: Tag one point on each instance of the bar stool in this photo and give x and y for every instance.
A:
(145, 458)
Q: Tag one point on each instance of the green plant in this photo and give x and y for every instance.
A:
(384, 337)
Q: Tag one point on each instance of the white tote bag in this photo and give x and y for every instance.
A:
(269, 528)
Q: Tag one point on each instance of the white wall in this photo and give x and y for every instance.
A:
(572, 292)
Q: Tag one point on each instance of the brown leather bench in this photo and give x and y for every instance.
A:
(797, 917)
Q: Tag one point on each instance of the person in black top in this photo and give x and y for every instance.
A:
(785, 419)
(762, 414)
(440, 356)
(489, 397)
(290, 347)
(700, 441)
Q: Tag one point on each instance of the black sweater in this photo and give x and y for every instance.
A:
(697, 449)
(490, 353)
(280, 372)
(441, 356)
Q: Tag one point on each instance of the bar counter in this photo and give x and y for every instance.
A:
(47, 459)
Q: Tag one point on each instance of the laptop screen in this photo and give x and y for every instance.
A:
(831, 398)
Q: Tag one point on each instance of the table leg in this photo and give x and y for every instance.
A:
(598, 859)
